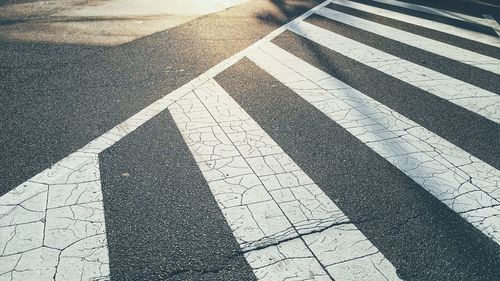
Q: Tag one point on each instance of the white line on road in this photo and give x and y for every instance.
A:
(433, 46)
(32, 245)
(464, 183)
(52, 226)
(450, 29)
(475, 99)
(435, 11)
(267, 200)
(492, 22)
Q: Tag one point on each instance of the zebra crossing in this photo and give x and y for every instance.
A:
(287, 221)
(462, 94)
(405, 144)
(433, 46)
(441, 27)
(267, 199)
(486, 20)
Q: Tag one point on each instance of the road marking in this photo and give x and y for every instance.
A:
(267, 200)
(464, 183)
(435, 11)
(63, 237)
(34, 247)
(52, 226)
(470, 97)
(492, 22)
(433, 46)
(29, 240)
(441, 27)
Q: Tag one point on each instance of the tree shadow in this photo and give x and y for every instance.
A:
(286, 11)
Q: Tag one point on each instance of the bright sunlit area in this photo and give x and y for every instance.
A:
(106, 23)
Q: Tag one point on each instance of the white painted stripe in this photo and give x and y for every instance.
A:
(464, 183)
(52, 226)
(32, 245)
(450, 29)
(436, 11)
(470, 97)
(491, 22)
(283, 221)
(433, 46)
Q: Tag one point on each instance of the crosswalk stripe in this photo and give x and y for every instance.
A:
(27, 221)
(267, 200)
(55, 220)
(436, 11)
(493, 23)
(460, 32)
(162, 220)
(411, 227)
(464, 183)
(479, 139)
(57, 233)
(433, 46)
(52, 226)
(470, 97)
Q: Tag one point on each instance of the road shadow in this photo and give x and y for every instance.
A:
(285, 12)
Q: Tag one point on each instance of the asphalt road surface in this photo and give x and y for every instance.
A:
(250, 140)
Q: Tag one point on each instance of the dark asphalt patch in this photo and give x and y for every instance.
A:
(162, 222)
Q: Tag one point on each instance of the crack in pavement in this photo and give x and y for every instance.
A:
(269, 203)
(456, 178)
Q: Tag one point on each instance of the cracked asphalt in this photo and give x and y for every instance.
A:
(250, 140)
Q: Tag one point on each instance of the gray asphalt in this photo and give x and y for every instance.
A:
(474, 8)
(55, 99)
(429, 33)
(162, 221)
(468, 130)
(386, 205)
(467, 73)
